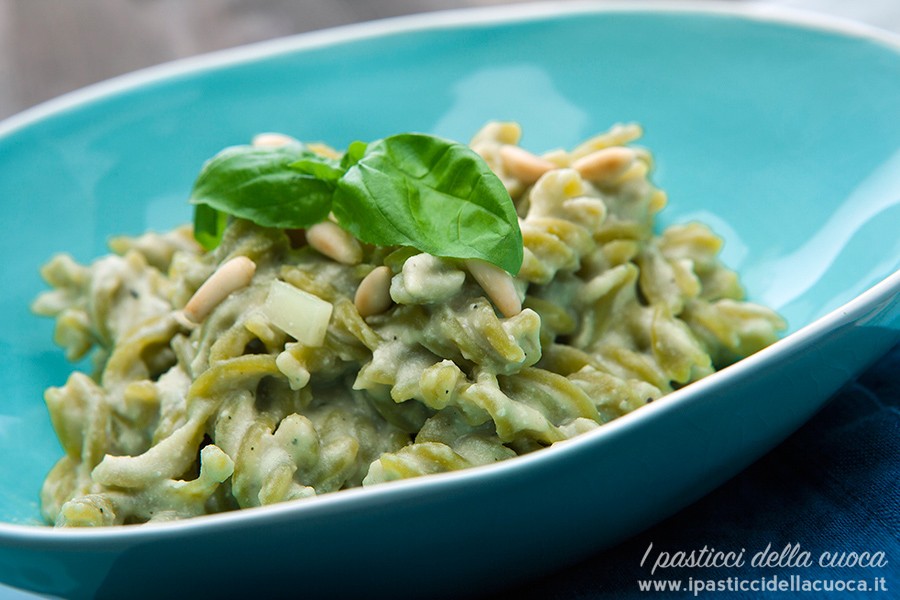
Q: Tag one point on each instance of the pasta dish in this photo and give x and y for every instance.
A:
(258, 357)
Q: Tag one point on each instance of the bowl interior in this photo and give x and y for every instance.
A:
(782, 137)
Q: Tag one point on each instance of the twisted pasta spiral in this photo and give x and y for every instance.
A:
(187, 415)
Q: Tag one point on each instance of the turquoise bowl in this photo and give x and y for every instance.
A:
(777, 128)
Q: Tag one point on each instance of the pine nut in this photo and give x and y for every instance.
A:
(335, 243)
(229, 277)
(524, 165)
(272, 140)
(606, 164)
(497, 284)
(373, 296)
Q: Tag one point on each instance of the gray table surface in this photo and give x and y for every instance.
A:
(50, 47)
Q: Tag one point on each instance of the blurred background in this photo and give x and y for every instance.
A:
(49, 47)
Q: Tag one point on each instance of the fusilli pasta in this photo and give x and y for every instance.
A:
(183, 418)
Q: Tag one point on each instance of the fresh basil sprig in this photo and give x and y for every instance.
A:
(257, 184)
(412, 189)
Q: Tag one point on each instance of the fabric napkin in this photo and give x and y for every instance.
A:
(829, 490)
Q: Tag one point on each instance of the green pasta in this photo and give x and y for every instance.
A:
(282, 364)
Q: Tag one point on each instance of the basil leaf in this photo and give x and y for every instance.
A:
(355, 151)
(209, 225)
(258, 184)
(433, 194)
(320, 167)
(414, 190)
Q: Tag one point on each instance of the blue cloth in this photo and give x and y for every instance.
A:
(833, 486)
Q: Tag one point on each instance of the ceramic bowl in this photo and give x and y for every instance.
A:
(777, 128)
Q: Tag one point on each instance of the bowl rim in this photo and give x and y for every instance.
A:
(755, 10)
(886, 290)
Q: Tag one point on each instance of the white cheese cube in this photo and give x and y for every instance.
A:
(299, 314)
